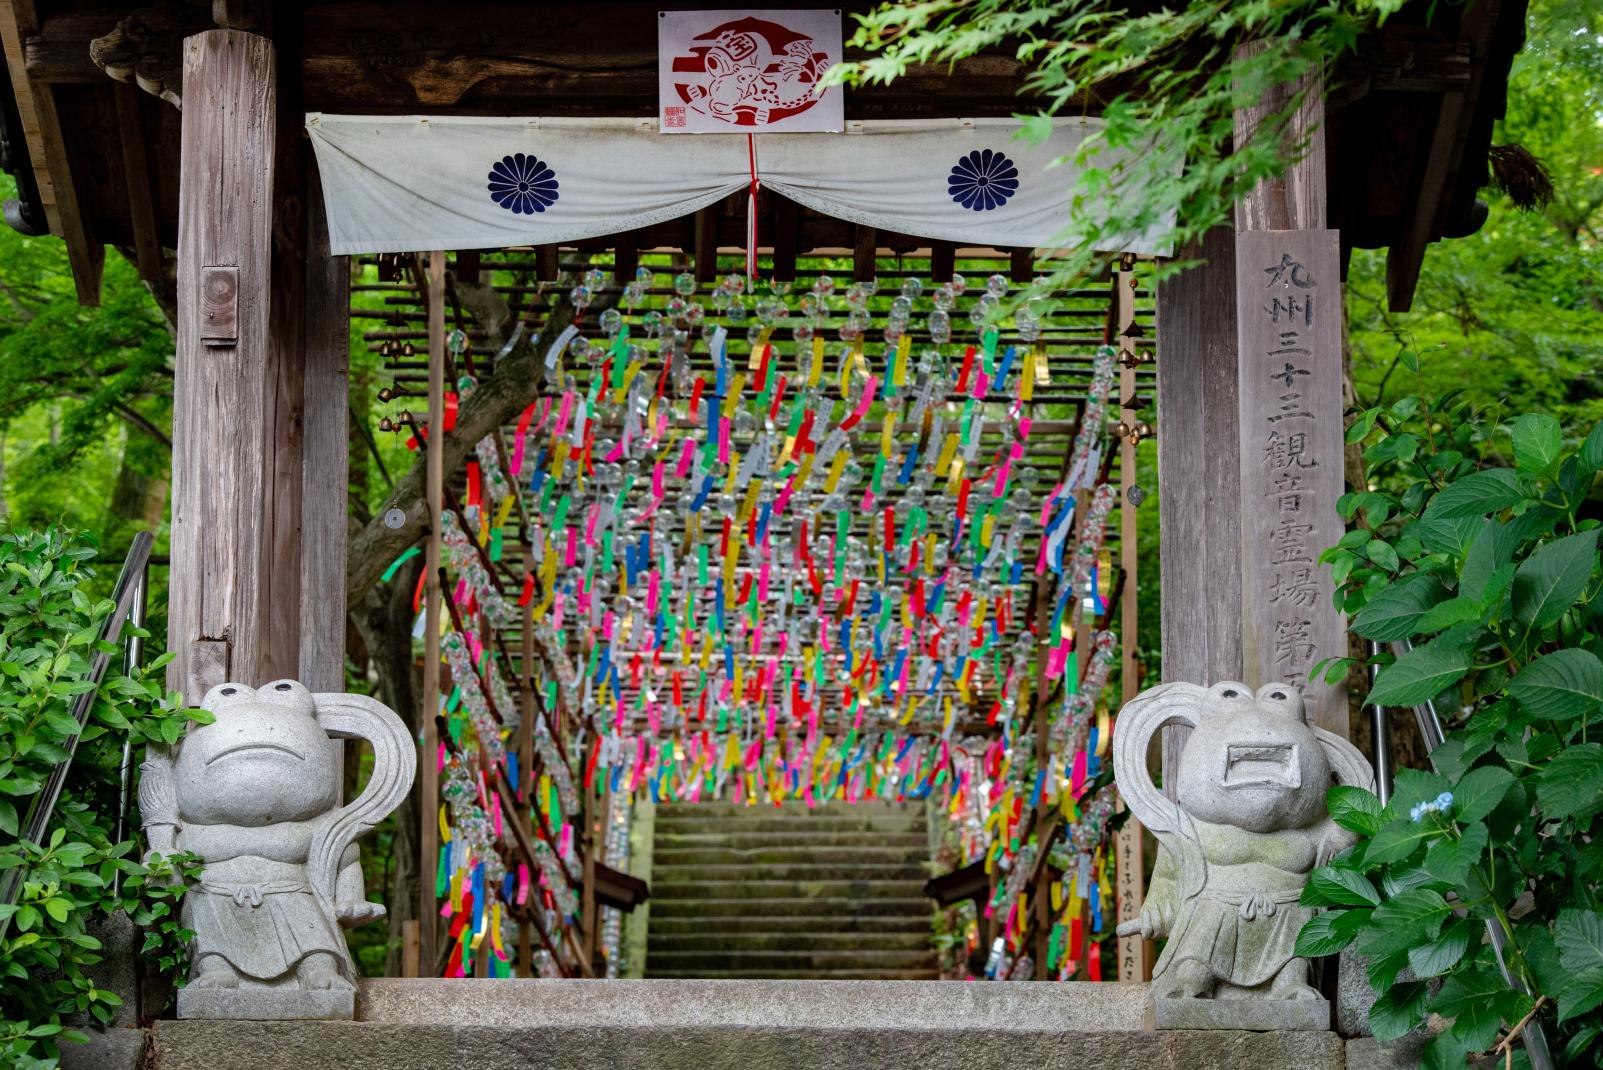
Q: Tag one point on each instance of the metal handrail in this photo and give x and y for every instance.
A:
(128, 592)
(1430, 729)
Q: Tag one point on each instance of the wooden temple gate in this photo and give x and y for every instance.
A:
(220, 210)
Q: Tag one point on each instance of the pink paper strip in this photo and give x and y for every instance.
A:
(562, 414)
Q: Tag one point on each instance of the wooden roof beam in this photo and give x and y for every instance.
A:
(47, 149)
(141, 196)
(1405, 257)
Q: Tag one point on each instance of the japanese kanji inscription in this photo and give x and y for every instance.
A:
(1288, 304)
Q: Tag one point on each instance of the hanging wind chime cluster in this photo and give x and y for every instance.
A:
(480, 892)
(741, 632)
(770, 567)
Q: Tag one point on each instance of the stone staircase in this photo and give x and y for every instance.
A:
(834, 893)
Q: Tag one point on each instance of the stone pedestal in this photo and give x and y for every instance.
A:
(267, 1004)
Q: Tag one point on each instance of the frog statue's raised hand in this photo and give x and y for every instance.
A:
(256, 795)
(1247, 826)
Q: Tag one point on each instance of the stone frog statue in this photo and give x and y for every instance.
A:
(1248, 825)
(256, 795)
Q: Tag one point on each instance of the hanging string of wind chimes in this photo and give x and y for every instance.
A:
(480, 894)
(786, 568)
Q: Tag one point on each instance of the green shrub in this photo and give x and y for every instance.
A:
(49, 632)
(1492, 573)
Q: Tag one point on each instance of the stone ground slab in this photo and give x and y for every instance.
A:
(266, 1004)
(208, 1045)
(1255, 1014)
(117, 1048)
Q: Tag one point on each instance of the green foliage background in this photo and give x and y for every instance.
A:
(50, 628)
(1512, 316)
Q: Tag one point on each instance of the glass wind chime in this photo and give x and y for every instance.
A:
(801, 572)
(482, 895)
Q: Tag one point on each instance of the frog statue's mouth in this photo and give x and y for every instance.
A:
(1262, 765)
(247, 748)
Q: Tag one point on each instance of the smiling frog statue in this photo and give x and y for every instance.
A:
(1246, 826)
(256, 795)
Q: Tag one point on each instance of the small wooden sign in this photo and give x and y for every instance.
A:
(219, 306)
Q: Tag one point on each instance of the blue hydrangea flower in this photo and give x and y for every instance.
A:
(983, 180)
(523, 185)
(1439, 805)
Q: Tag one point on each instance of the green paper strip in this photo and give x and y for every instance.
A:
(395, 566)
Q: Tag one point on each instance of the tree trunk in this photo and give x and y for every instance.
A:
(384, 618)
(519, 377)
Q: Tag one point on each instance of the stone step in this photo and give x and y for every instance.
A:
(796, 975)
(799, 854)
(737, 839)
(743, 874)
(757, 906)
(728, 926)
(791, 889)
(425, 1024)
(719, 959)
(732, 823)
(810, 941)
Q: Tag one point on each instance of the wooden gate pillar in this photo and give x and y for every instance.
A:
(1288, 366)
(1199, 471)
(260, 385)
(1250, 433)
(224, 389)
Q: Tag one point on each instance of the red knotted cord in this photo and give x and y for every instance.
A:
(751, 215)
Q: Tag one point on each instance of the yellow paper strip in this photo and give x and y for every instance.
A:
(732, 402)
(836, 467)
(955, 478)
(752, 491)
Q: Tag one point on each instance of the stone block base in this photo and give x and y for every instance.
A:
(267, 1004)
(1256, 1015)
(365, 1046)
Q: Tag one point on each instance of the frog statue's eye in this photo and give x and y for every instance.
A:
(1230, 692)
(230, 690)
(288, 687)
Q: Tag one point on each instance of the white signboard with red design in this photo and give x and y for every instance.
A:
(748, 72)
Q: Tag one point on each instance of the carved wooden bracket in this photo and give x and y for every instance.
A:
(146, 47)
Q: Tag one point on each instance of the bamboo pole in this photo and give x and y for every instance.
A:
(429, 789)
(1135, 954)
(526, 770)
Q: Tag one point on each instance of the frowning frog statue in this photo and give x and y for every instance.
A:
(1247, 825)
(255, 793)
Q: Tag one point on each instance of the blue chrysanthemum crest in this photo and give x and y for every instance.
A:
(982, 180)
(522, 184)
